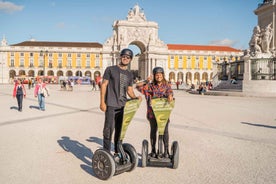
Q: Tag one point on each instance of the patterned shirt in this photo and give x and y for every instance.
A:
(151, 91)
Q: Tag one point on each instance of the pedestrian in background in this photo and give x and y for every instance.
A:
(41, 92)
(19, 92)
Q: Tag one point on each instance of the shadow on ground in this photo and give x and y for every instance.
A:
(80, 151)
(259, 125)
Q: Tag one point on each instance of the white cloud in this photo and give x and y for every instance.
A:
(224, 42)
(9, 7)
(60, 25)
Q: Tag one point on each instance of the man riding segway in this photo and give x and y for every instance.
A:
(117, 83)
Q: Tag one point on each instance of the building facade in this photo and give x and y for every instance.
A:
(185, 63)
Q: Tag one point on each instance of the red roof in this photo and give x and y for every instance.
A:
(58, 44)
(201, 47)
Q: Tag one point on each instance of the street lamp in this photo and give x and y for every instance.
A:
(2, 63)
(2, 70)
(44, 54)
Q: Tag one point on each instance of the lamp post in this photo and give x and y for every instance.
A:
(44, 53)
(2, 63)
(2, 71)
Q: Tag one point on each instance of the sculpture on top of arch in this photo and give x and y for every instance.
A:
(136, 14)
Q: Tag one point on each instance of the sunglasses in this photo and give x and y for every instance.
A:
(125, 56)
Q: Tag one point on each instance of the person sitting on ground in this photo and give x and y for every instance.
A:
(201, 89)
(233, 81)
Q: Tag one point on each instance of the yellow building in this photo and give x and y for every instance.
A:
(54, 60)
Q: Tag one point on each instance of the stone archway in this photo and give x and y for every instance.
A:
(180, 77)
(40, 73)
(97, 74)
(31, 73)
(59, 73)
(22, 72)
(204, 77)
(50, 73)
(69, 73)
(12, 74)
(136, 30)
(172, 77)
(87, 74)
(197, 78)
(79, 73)
(189, 78)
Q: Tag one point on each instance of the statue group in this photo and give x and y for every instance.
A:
(261, 40)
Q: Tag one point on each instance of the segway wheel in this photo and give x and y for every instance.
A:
(132, 155)
(144, 153)
(103, 164)
(175, 155)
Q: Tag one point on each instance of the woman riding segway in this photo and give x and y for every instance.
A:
(158, 88)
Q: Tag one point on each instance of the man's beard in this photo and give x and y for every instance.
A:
(122, 64)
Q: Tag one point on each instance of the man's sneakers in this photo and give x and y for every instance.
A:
(153, 153)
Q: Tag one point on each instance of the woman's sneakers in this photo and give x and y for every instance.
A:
(166, 154)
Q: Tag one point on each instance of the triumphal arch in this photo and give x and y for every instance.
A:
(136, 30)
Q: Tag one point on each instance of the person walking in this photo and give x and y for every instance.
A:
(158, 88)
(116, 85)
(19, 92)
(41, 92)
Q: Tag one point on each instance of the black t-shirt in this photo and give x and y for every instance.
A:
(118, 82)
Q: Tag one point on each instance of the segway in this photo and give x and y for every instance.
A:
(104, 164)
(162, 110)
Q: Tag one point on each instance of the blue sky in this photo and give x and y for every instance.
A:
(198, 22)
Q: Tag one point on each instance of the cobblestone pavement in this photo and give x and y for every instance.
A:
(222, 139)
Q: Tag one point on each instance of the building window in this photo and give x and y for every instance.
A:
(180, 63)
(189, 63)
(69, 55)
(69, 63)
(88, 55)
(78, 63)
(41, 62)
(196, 64)
(31, 54)
(87, 63)
(22, 54)
(59, 63)
(97, 61)
(171, 63)
(12, 62)
(31, 63)
(78, 55)
(50, 65)
(60, 55)
(205, 65)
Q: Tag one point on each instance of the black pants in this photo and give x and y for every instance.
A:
(19, 101)
(113, 119)
(153, 132)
